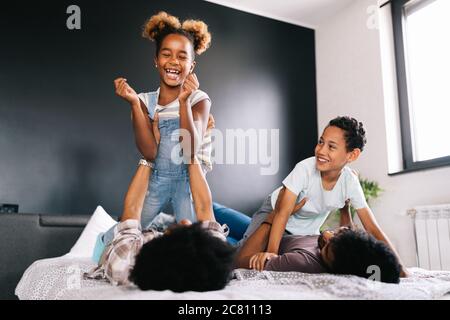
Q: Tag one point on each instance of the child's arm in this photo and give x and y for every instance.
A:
(194, 120)
(252, 255)
(283, 209)
(143, 131)
(134, 198)
(201, 193)
(370, 224)
(345, 216)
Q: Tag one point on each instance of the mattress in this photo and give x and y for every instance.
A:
(61, 278)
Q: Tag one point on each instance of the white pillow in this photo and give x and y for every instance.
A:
(100, 221)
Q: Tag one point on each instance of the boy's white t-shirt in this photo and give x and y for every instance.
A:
(305, 181)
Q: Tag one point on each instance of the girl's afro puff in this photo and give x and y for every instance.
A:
(199, 30)
(158, 23)
(162, 24)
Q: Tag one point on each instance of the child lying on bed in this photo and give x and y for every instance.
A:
(341, 251)
(187, 257)
(328, 184)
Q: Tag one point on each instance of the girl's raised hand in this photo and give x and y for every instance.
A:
(190, 85)
(124, 91)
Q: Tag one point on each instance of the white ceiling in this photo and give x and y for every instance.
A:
(307, 13)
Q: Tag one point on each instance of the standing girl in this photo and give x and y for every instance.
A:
(177, 104)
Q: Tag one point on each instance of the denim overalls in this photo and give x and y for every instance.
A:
(169, 181)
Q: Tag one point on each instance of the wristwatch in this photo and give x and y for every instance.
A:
(146, 163)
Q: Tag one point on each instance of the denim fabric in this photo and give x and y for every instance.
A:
(169, 182)
(103, 239)
(235, 220)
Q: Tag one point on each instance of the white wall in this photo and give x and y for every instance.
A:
(350, 82)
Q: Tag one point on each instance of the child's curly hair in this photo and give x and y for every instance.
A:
(162, 24)
(355, 135)
(355, 250)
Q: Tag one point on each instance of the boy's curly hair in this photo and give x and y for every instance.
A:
(162, 24)
(355, 135)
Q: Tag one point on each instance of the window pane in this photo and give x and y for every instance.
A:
(428, 63)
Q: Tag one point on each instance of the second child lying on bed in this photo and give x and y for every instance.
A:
(344, 250)
(326, 182)
(187, 257)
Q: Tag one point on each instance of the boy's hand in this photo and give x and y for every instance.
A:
(190, 85)
(258, 261)
(124, 91)
(297, 206)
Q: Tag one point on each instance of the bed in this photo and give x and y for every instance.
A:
(30, 241)
(61, 278)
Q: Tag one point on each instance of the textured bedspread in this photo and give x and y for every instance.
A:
(61, 278)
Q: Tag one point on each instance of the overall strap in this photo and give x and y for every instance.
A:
(152, 102)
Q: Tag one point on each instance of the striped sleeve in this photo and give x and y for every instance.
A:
(198, 96)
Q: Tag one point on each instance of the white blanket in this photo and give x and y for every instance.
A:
(61, 278)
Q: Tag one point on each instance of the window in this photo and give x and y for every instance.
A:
(422, 49)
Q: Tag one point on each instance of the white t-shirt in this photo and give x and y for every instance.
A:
(305, 181)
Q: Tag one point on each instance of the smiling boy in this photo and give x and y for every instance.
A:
(327, 183)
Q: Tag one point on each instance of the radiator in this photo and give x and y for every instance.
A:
(432, 233)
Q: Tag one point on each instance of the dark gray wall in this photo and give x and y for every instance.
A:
(66, 142)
